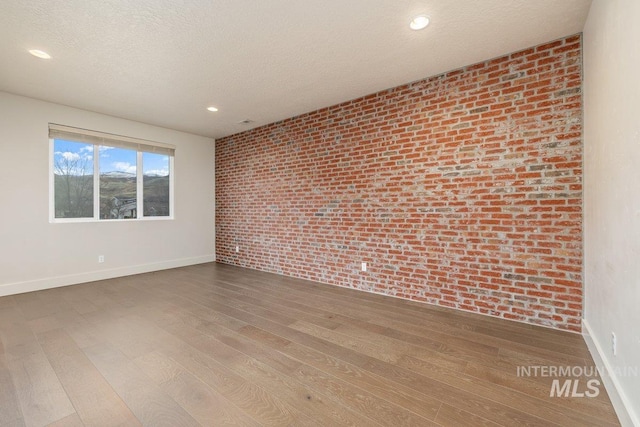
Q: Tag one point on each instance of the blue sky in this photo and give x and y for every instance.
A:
(111, 159)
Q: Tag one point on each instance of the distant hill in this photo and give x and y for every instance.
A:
(118, 174)
(156, 195)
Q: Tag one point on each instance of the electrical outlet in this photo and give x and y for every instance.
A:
(237, 248)
(364, 266)
(100, 258)
(614, 344)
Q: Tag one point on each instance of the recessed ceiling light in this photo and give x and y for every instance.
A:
(213, 109)
(419, 22)
(40, 54)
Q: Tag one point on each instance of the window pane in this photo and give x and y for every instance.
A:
(117, 183)
(155, 184)
(73, 179)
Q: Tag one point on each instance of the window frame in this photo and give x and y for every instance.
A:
(127, 143)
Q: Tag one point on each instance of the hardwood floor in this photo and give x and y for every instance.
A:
(219, 345)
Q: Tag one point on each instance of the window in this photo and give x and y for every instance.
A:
(155, 184)
(99, 176)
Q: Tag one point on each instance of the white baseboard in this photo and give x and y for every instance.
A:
(619, 399)
(74, 279)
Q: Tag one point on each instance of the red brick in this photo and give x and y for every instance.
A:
(462, 190)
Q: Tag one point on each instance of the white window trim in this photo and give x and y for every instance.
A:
(127, 143)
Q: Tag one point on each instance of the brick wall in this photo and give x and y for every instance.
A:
(462, 190)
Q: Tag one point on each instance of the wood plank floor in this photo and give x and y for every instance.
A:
(219, 345)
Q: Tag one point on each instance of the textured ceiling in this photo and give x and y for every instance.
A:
(164, 61)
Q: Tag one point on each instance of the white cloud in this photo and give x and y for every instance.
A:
(67, 155)
(103, 151)
(71, 156)
(124, 167)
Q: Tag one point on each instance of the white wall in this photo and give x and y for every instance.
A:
(612, 193)
(35, 254)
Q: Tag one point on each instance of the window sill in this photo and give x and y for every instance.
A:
(93, 220)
